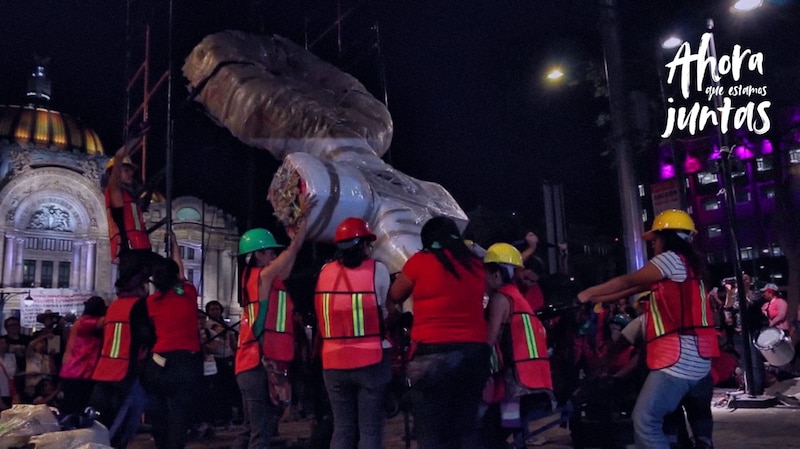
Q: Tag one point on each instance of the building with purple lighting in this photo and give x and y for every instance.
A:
(762, 166)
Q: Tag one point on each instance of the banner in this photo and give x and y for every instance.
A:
(666, 195)
(63, 301)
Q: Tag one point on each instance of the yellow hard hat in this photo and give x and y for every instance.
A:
(503, 253)
(126, 161)
(672, 219)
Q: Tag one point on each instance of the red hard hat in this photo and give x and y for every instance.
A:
(351, 228)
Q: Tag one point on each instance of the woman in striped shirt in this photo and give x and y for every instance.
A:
(679, 331)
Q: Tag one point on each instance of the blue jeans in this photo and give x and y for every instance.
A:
(258, 409)
(660, 396)
(356, 398)
(120, 405)
(446, 395)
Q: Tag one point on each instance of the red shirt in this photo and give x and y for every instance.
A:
(83, 348)
(446, 309)
(174, 317)
(535, 297)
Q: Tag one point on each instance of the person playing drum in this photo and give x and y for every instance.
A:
(775, 308)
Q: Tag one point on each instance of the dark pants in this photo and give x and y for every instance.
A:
(356, 397)
(175, 389)
(226, 391)
(77, 393)
(258, 409)
(446, 393)
(120, 406)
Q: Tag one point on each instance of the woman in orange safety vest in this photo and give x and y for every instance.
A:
(522, 379)
(126, 226)
(350, 301)
(265, 330)
(679, 331)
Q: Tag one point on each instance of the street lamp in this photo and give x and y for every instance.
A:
(747, 5)
(5, 296)
(555, 74)
(726, 177)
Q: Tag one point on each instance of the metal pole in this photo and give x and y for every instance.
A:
(730, 215)
(679, 171)
(168, 206)
(628, 192)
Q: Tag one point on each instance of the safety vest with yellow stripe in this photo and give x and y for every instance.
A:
(675, 309)
(266, 328)
(115, 356)
(348, 316)
(135, 228)
(528, 342)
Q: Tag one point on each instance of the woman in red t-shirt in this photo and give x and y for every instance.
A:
(174, 373)
(81, 355)
(450, 356)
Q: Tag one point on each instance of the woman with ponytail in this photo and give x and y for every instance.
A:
(174, 372)
(350, 301)
(450, 354)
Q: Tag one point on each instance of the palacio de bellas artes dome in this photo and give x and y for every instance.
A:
(55, 245)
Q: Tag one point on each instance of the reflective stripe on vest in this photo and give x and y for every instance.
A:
(248, 354)
(530, 338)
(655, 316)
(675, 309)
(114, 361)
(117, 340)
(528, 341)
(326, 315)
(357, 307)
(348, 316)
(704, 308)
(277, 338)
(280, 315)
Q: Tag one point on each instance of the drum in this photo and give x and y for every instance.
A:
(776, 347)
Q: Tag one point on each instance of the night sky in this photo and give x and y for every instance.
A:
(463, 80)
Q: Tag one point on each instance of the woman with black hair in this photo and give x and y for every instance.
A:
(174, 372)
(127, 338)
(266, 331)
(81, 355)
(350, 301)
(450, 354)
(679, 331)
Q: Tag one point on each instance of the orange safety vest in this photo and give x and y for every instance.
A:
(348, 316)
(528, 342)
(115, 357)
(266, 327)
(675, 309)
(135, 229)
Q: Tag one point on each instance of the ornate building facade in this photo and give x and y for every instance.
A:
(55, 246)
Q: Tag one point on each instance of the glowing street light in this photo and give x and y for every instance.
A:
(747, 5)
(671, 42)
(555, 74)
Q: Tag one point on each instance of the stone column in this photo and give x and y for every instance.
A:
(91, 256)
(8, 261)
(75, 270)
(19, 246)
(81, 266)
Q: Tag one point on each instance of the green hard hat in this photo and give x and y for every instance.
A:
(256, 239)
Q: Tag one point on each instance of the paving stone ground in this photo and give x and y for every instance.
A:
(742, 428)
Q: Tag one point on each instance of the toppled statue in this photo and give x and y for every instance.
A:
(328, 130)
